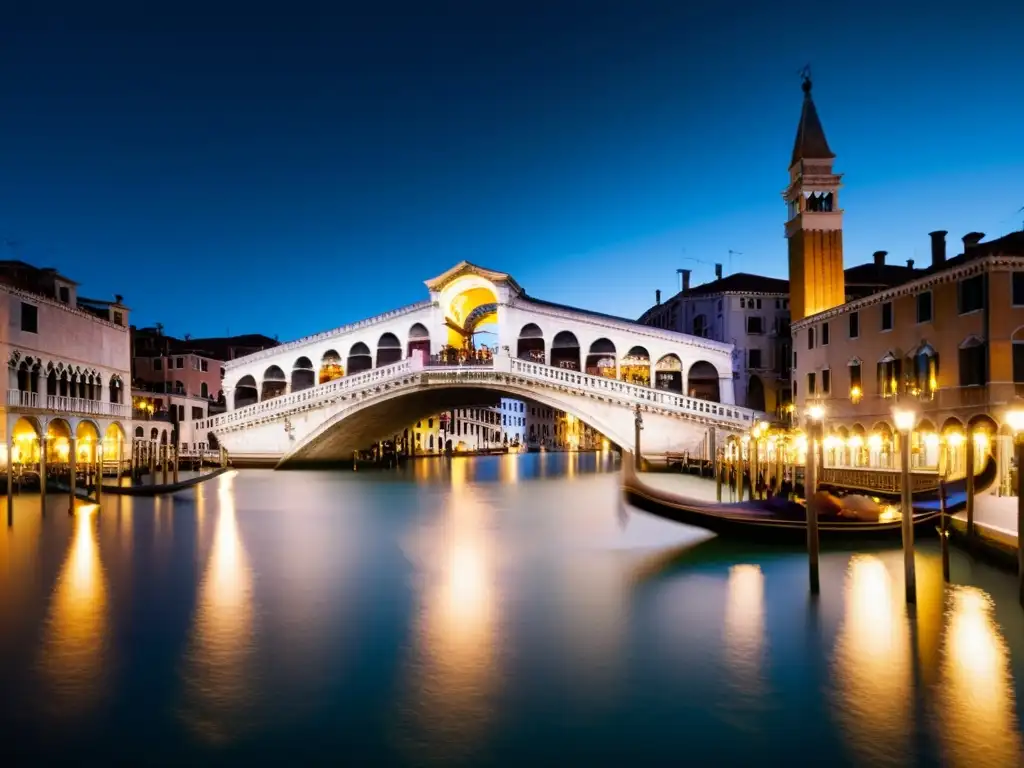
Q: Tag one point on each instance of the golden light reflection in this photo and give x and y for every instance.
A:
(454, 666)
(508, 469)
(978, 713)
(217, 673)
(744, 630)
(872, 667)
(74, 649)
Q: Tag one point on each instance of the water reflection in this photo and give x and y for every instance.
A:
(73, 663)
(979, 724)
(217, 674)
(454, 666)
(872, 666)
(744, 632)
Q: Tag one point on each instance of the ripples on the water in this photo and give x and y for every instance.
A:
(491, 611)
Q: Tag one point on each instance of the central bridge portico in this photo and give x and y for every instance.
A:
(321, 397)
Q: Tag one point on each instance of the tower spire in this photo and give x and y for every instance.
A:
(814, 221)
(810, 143)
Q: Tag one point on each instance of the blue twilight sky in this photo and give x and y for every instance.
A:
(285, 168)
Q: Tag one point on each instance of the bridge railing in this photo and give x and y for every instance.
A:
(289, 402)
(504, 364)
(634, 392)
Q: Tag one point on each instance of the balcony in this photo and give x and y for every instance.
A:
(76, 406)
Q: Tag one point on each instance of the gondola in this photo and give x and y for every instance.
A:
(779, 519)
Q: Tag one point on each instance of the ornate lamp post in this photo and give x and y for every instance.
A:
(815, 419)
(905, 420)
(1015, 419)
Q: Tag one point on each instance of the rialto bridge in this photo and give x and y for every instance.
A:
(319, 398)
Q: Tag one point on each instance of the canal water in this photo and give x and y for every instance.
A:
(493, 611)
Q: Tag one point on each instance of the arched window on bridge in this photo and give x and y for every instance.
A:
(636, 367)
(211, 442)
(275, 383)
(702, 382)
(419, 339)
(565, 351)
(139, 432)
(531, 344)
(246, 392)
(601, 359)
(389, 349)
(330, 367)
(303, 375)
(359, 358)
(154, 433)
(668, 374)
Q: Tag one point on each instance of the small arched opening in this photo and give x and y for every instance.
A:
(117, 389)
(275, 383)
(212, 443)
(359, 358)
(25, 438)
(668, 373)
(303, 375)
(246, 393)
(636, 367)
(530, 345)
(702, 382)
(389, 349)
(419, 340)
(601, 359)
(87, 437)
(565, 351)
(330, 367)
(58, 441)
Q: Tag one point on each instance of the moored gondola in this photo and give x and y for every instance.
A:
(779, 519)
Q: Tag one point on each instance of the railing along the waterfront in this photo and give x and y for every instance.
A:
(63, 404)
(635, 394)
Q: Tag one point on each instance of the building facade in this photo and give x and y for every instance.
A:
(69, 368)
(945, 340)
(949, 343)
(750, 312)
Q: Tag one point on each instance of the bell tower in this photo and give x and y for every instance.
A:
(814, 221)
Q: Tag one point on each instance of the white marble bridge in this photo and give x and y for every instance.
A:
(399, 367)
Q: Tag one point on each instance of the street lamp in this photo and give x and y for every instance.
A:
(905, 419)
(815, 418)
(1015, 419)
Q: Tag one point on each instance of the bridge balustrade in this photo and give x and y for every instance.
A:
(635, 393)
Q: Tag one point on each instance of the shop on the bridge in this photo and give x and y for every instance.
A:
(601, 359)
(668, 374)
(636, 367)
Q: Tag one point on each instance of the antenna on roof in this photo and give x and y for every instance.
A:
(731, 254)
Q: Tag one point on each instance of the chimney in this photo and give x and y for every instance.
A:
(938, 247)
(657, 297)
(910, 263)
(971, 239)
(880, 258)
(685, 273)
(118, 298)
(718, 271)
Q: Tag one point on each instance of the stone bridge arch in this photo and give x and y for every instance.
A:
(360, 422)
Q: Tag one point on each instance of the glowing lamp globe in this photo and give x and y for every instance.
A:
(1015, 418)
(904, 419)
